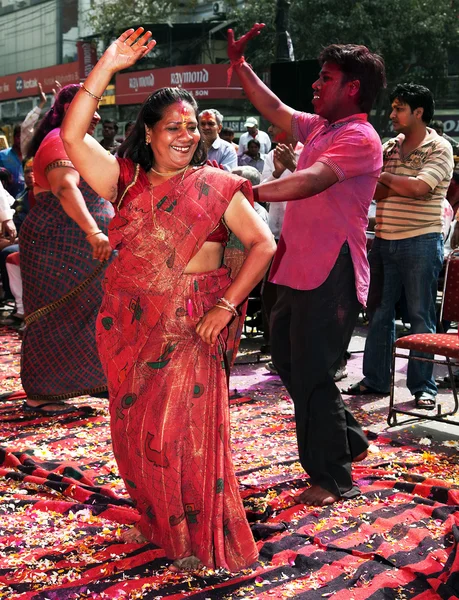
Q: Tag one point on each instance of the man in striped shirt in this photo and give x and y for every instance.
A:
(408, 249)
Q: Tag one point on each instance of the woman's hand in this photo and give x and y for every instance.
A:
(101, 249)
(236, 48)
(212, 324)
(130, 47)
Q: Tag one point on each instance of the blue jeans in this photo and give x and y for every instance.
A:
(413, 264)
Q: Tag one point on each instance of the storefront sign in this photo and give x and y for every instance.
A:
(450, 124)
(22, 85)
(87, 58)
(203, 81)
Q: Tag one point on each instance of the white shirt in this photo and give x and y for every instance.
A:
(28, 128)
(6, 201)
(276, 209)
(262, 137)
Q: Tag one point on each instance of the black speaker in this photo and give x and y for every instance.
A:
(292, 81)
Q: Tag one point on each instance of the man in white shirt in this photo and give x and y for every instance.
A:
(253, 133)
(210, 124)
(28, 125)
(8, 229)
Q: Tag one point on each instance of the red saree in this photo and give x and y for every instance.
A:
(168, 389)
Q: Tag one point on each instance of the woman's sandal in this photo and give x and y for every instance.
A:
(359, 389)
(40, 409)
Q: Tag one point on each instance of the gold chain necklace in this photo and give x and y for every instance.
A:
(160, 232)
(169, 173)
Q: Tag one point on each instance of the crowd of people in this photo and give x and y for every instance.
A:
(131, 260)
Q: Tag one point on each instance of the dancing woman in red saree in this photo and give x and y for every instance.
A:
(162, 330)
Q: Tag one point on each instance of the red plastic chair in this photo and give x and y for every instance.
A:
(443, 344)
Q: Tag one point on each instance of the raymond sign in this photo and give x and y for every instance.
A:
(202, 81)
(22, 85)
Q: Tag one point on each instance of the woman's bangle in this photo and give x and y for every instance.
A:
(94, 233)
(98, 98)
(224, 303)
(224, 308)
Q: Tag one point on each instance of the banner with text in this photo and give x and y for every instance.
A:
(202, 81)
(22, 85)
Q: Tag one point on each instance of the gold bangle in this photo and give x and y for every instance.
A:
(94, 233)
(229, 306)
(98, 98)
(224, 308)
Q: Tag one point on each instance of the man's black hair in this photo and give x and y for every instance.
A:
(416, 96)
(110, 122)
(358, 63)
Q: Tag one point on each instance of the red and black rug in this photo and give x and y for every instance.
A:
(63, 507)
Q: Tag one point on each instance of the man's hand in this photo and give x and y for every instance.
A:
(9, 230)
(42, 96)
(214, 163)
(57, 88)
(284, 158)
(236, 48)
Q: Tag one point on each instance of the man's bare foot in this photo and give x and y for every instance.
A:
(133, 536)
(316, 496)
(189, 563)
(361, 456)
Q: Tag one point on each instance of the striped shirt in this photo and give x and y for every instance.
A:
(398, 217)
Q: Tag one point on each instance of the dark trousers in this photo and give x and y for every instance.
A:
(310, 332)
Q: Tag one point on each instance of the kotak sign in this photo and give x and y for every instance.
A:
(203, 81)
(22, 85)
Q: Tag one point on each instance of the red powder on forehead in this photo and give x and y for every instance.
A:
(184, 109)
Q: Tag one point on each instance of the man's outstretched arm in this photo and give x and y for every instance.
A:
(301, 184)
(262, 98)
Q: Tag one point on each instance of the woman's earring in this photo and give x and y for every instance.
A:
(147, 139)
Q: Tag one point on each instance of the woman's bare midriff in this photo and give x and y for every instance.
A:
(208, 258)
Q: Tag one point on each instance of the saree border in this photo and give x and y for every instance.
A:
(49, 308)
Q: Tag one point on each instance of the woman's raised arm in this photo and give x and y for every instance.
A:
(94, 164)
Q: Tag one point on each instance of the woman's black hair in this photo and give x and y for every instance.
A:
(53, 118)
(151, 111)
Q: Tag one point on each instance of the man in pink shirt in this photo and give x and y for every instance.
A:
(320, 265)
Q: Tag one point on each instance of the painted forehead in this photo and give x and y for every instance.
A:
(208, 115)
(180, 112)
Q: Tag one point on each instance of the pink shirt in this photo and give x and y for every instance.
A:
(315, 228)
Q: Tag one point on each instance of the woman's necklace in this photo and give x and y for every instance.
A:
(169, 173)
(160, 232)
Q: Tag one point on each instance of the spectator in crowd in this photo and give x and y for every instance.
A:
(253, 133)
(440, 129)
(127, 130)
(29, 123)
(11, 159)
(8, 236)
(252, 157)
(227, 134)
(320, 262)
(252, 175)
(218, 150)
(109, 131)
(407, 251)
